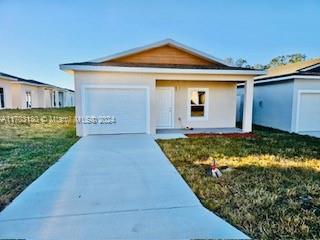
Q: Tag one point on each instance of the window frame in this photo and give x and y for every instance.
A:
(206, 104)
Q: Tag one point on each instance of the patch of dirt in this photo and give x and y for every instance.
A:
(221, 135)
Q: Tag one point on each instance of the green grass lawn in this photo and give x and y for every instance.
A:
(273, 191)
(29, 146)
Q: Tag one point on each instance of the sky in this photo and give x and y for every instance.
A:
(38, 35)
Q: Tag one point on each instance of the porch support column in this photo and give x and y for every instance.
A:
(247, 106)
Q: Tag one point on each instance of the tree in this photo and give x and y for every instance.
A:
(229, 60)
(260, 66)
(277, 61)
(286, 59)
(298, 57)
(241, 62)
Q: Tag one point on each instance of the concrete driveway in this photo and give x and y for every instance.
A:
(111, 187)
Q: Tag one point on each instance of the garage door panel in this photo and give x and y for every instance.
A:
(128, 106)
(309, 112)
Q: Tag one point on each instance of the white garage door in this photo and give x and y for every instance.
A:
(309, 112)
(119, 110)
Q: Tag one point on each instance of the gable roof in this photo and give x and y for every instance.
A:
(165, 42)
(308, 67)
(7, 76)
(21, 80)
(25, 81)
(116, 62)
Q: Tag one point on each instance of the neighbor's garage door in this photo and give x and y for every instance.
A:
(309, 112)
(128, 106)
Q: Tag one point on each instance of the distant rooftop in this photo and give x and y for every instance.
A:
(308, 67)
(27, 81)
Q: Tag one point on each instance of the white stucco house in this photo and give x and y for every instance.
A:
(288, 98)
(164, 85)
(20, 93)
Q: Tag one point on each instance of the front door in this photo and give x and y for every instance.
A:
(165, 103)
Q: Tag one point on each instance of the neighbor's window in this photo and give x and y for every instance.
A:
(28, 99)
(1, 98)
(60, 96)
(54, 99)
(198, 103)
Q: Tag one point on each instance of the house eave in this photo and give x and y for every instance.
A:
(279, 79)
(68, 68)
(36, 85)
(8, 78)
(31, 84)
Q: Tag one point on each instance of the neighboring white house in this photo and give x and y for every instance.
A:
(161, 85)
(63, 97)
(19, 93)
(288, 98)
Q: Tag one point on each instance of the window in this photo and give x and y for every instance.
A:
(60, 98)
(198, 103)
(28, 99)
(54, 99)
(1, 98)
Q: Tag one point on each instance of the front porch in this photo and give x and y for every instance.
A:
(204, 106)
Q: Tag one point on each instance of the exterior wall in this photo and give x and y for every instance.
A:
(272, 104)
(7, 91)
(35, 96)
(221, 107)
(41, 97)
(19, 96)
(222, 94)
(302, 84)
(16, 96)
(47, 101)
(68, 98)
